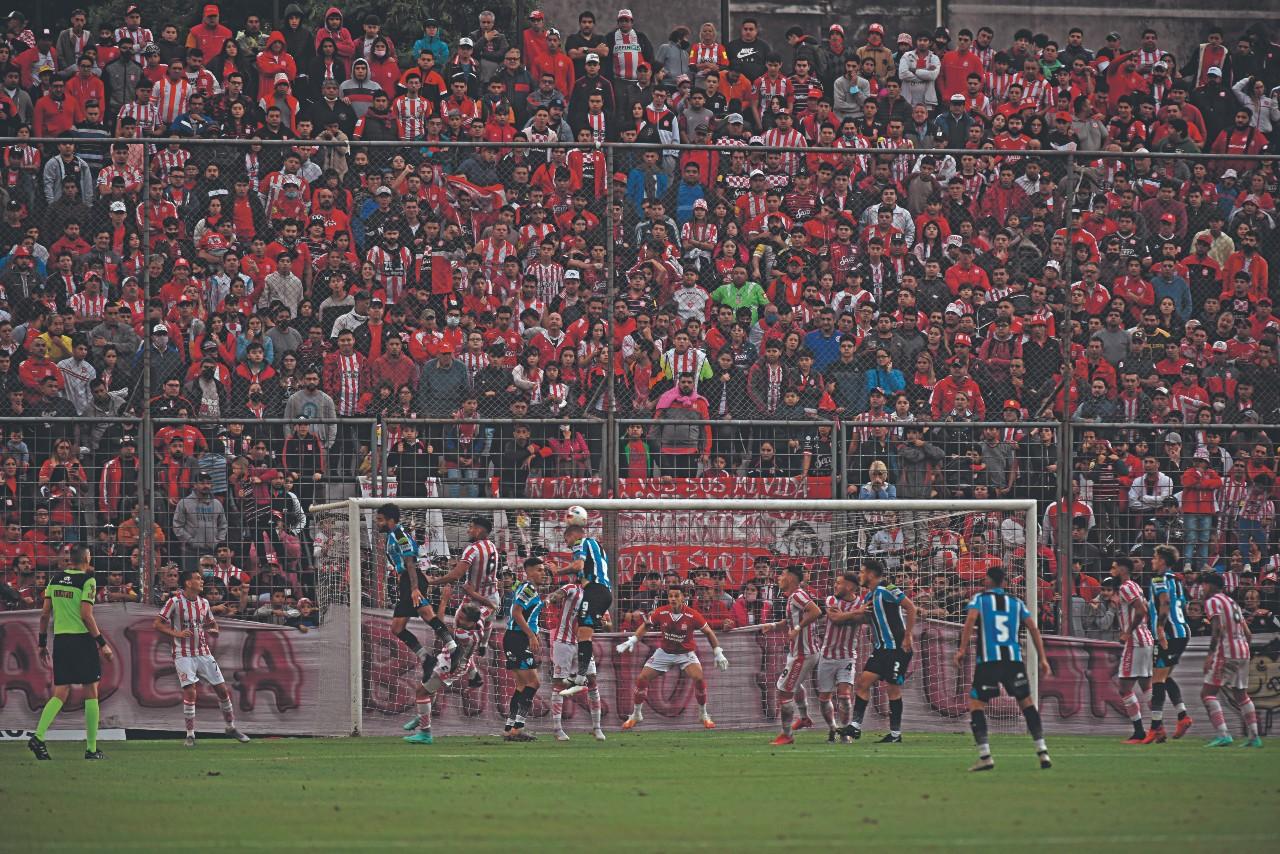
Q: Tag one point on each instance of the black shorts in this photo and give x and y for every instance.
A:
(75, 660)
(515, 645)
(889, 664)
(404, 604)
(1170, 655)
(990, 676)
(597, 599)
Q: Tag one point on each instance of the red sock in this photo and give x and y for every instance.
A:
(700, 692)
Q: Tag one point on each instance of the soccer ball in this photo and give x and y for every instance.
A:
(575, 516)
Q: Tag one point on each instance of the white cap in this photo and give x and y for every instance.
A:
(625, 13)
(466, 41)
(118, 206)
(572, 274)
(1230, 173)
(755, 172)
(592, 57)
(1215, 70)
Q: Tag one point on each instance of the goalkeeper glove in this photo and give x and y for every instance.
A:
(627, 645)
(722, 663)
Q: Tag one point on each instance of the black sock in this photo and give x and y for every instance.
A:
(1034, 725)
(527, 701)
(1174, 692)
(514, 706)
(584, 655)
(895, 715)
(859, 709)
(1158, 691)
(978, 723)
(442, 631)
(408, 639)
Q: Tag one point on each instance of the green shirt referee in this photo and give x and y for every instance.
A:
(76, 641)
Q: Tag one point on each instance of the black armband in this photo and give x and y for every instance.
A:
(44, 640)
(100, 641)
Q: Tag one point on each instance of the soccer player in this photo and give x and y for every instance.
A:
(839, 653)
(520, 644)
(1136, 657)
(799, 614)
(1227, 665)
(402, 552)
(893, 619)
(443, 671)
(998, 617)
(77, 640)
(592, 566)
(478, 566)
(677, 625)
(187, 618)
(564, 661)
(1166, 607)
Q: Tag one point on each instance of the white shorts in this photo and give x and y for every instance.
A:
(1135, 661)
(193, 668)
(797, 671)
(1228, 673)
(663, 661)
(564, 661)
(832, 672)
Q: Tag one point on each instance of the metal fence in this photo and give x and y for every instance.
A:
(585, 303)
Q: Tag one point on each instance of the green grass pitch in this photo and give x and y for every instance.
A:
(643, 792)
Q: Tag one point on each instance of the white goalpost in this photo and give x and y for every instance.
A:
(725, 550)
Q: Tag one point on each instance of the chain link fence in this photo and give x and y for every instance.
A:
(543, 319)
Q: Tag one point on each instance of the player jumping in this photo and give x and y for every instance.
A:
(677, 625)
(478, 566)
(446, 669)
(520, 644)
(564, 661)
(1135, 634)
(592, 566)
(839, 652)
(402, 552)
(1166, 605)
(893, 619)
(1227, 664)
(187, 618)
(77, 640)
(999, 618)
(802, 651)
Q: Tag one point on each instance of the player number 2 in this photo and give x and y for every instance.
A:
(1002, 628)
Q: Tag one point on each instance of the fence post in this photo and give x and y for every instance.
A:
(1066, 480)
(609, 473)
(146, 441)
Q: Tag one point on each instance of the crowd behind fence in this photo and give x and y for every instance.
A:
(229, 295)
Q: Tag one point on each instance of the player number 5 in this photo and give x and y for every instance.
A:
(1002, 628)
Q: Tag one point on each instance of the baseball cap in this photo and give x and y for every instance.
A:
(876, 28)
(117, 206)
(1113, 36)
(280, 77)
(836, 28)
(593, 57)
(1219, 346)
(1230, 173)
(1012, 404)
(964, 340)
(700, 204)
(572, 274)
(465, 41)
(734, 118)
(905, 37)
(755, 172)
(384, 190)
(1214, 70)
(1174, 438)
(445, 348)
(624, 13)
(210, 10)
(1168, 218)
(22, 252)
(1189, 366)
(1201, 454)
(957, 98)
(536, 15)
(160, 329)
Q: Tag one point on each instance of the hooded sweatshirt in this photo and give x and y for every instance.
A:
(359, 93)
(271, 64)
(341, 36)
(299, 43)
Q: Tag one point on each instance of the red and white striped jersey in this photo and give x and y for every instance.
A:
(766, 87)
(181, 614)
(997, 85)
(493, 253)
(531, 235)
(791, 139)
(566, 630)
(1148, 58)
(474, 363)
(413, 113)
(1233, 641)
(627, 55)
(481, 561)
(469, 644)
(87, 307)
(132, 178)
(986, 54)
(145, 115)
(141, 37)
(714, 53)
(550, 279)
(1130, 597)
(170, 99)
(901, 166)
(166, 160)
(806, 642)
(839, 640)
(391, 269)
(348, 392)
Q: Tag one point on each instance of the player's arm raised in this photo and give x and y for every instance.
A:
(630, 643)
(966, 635)
(86, 614)
(717, 653)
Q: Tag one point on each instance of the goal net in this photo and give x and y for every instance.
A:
(726, 553)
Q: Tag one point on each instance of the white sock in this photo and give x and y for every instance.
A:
(557, 710)
(702, 711)
(228, 713)
(189, 717)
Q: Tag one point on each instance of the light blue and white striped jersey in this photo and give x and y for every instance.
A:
(888, 628)
(595, 564)
(1176, 626)
(1000, 619)
(400, 546)
(529, 601)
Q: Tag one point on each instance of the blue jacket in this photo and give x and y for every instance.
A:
(1175, 289)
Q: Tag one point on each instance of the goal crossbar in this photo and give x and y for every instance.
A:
(355, 508)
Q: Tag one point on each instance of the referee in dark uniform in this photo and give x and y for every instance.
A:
(68, 600)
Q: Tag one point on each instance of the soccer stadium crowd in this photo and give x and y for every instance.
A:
(275, 292)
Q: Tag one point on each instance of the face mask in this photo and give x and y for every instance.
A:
(771, 319)
(207, 373)
(380, 54)
(255, 398)
(453, 321)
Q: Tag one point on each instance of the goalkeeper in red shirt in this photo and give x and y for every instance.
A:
(677, 624)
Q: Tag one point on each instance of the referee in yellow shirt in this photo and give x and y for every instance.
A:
(76, 642)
